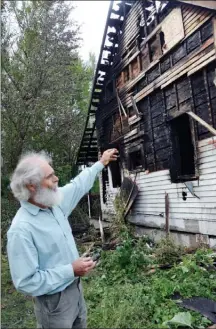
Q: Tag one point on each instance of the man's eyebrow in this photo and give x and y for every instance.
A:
(50, 175)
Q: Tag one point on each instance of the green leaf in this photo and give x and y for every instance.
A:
(28, 10)
(184, 269)
(181, 319)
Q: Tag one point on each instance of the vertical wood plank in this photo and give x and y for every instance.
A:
(214, 31)
(208, 97)
(139, 63)
(152, 131)
(130, 72)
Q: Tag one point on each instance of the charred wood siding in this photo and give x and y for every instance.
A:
(193, 17)
(174, 65)
(204, 94)
(169, 85)
(130, 30)
(194, 49)
(176, 97)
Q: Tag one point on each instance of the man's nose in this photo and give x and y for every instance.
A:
(56, 179)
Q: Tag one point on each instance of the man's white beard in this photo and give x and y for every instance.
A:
(48, 197)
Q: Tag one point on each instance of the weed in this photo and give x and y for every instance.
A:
(167, 252)
(119, 294)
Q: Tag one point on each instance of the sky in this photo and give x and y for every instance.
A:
(92, 16)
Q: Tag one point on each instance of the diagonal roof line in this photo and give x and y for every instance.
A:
(96, 71)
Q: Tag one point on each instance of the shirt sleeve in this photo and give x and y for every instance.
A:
(78, 187)
(24, 268)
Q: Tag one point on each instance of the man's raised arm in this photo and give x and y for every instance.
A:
(81, 184)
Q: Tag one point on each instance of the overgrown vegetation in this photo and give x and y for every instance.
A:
(123, 292)
(128, 289)
(132, 286)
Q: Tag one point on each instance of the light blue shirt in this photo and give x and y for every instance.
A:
(40, 246)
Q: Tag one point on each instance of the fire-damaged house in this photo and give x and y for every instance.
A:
(154, 98)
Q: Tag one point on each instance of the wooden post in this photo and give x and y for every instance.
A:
(167, 213)
(101, 230)
(89, 205)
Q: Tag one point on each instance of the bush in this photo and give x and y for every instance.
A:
(9, 207)
(167, 252)
(5, 182)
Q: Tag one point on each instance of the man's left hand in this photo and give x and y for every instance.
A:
(108, 156)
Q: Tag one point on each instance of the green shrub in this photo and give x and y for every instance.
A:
(9, 207)
(167, 252)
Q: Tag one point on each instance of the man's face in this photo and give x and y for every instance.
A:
(48, 194)
(50, 180)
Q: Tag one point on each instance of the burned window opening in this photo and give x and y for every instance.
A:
(162, 41)
(116, 173)
(141, 26)
(136, 158)
(105, 181)
(183, 152)
(155, 48)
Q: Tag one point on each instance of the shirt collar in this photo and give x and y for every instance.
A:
(33, 209)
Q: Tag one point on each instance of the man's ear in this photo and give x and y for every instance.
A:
(31, 188)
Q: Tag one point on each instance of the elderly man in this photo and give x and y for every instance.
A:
(43, 258)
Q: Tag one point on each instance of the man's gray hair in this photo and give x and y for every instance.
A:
(28, 171)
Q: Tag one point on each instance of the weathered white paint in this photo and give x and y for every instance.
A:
(186, 239)
(212, 243)
(193, 215)
(187, 218)
(108, 208)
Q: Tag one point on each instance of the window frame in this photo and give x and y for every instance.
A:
(175, 177)
(132, 150)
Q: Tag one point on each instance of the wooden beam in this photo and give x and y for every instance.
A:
(187, 68)
(177, 71)
(214, 31)
(202, 122)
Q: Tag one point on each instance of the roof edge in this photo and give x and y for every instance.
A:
(209, 4)
(96, 74)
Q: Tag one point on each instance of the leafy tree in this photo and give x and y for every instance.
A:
(45, 85)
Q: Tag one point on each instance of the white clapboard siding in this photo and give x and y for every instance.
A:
(206, 165)
(108, 207)
(193, 215)
(111, 193)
